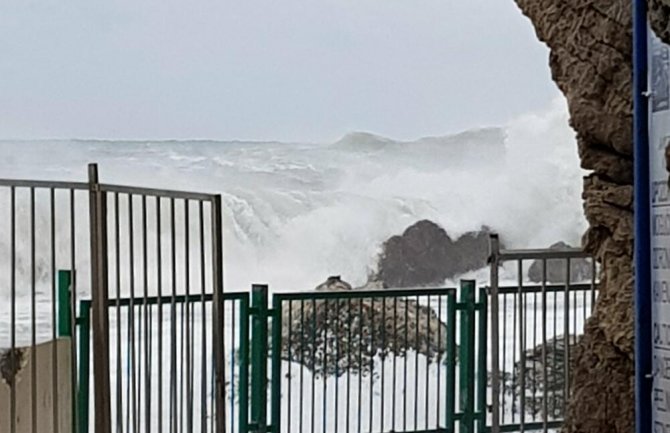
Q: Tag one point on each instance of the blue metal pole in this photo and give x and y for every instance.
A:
(642, 222)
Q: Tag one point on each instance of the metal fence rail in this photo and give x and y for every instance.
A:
(161, 245)
(384, 360)
(533, 330)
(138, 242)
(171, 352)
(41, 229)
(377, 361)
(364, 361)
(170, 386)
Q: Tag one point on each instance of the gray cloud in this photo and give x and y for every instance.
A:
(252, 69)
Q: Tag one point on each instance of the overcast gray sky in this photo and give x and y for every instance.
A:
(292, 70)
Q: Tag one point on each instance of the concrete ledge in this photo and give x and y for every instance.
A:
(19, 375)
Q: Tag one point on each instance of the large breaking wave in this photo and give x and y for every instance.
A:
(295, 212)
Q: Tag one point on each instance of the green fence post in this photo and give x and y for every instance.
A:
(65, 324)
(259, 358)
(451, 361)
(275, 395)
(466, 379)
(84, 323)
(481, 368)
(244, 365)
(64, 306)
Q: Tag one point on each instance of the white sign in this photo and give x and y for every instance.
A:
(659, 157)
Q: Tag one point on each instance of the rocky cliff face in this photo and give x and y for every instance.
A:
(591, 62)
(659, 14)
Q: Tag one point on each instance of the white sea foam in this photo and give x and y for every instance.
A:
(295, 213)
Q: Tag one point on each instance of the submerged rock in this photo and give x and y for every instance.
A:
(331, 336)
(534, 374)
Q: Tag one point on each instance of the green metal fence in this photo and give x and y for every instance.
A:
(373, 361)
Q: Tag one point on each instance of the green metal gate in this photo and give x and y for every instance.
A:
(369, 339)
(373, 361)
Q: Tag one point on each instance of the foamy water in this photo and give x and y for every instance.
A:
(295, 213)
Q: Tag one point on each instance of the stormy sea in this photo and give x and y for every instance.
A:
(295, 213)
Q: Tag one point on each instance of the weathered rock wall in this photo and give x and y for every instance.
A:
(591, 62)
(659, 13)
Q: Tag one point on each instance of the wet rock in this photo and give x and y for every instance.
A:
(333, 283)
(580, 269)
(424, 255)
(534, 374)
(331, 336)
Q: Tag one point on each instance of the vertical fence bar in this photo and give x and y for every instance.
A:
(132, 379)
(119, 356)
(361, 325)
(428, 360)
(372, 366)
(290, 359)
(566, 337)
(98, 224)
(33, 311)
(84, 359)
(481, 367)
(545, 384)
(416, 365)
(13, 355)
(522, 348)
(439, 368)
(218, 312)
(324, 367)
(147, 321)
(232, 366)
(494, 245)
(451, 363)
(467, 356)
(276, 363)
(54, 348)
(244, 366)
(159, 293)
(204, 359)
(337, 365)
(187, 306)
(302, 365)
(348, 393)
(73, 310)
(173, 322)
(259, 343)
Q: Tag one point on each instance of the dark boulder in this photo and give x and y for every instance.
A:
(333, 283)
(425, 255)
(472, 251)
